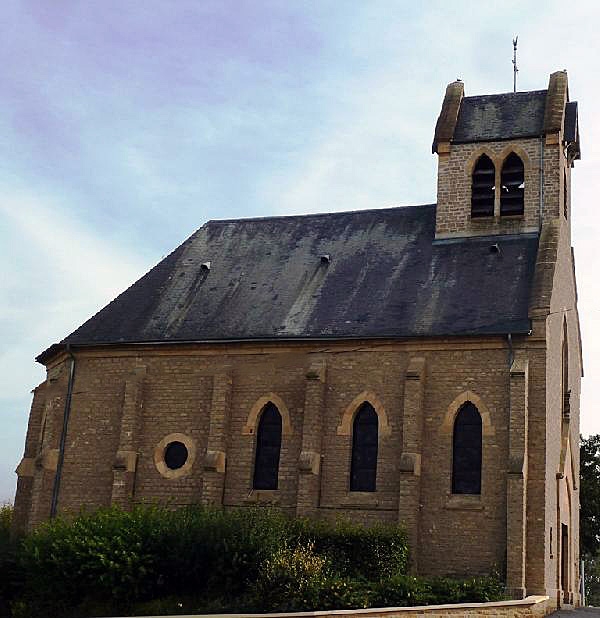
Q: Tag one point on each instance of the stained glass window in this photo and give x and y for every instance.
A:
(268, 447)
(365, 437)
(466, 451)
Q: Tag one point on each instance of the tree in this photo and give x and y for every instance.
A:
(590, 515)
(590, 495)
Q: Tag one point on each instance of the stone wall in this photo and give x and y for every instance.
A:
(127, 401)
(455, 168)
(531, 606)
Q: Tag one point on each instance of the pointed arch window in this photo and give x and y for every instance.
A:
(365, 440)
(466, 451)
(268, 449)
(483, 187)
(512, 183)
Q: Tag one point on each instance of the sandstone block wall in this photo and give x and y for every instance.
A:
(531, 606)
(127, 401)
(455, 168)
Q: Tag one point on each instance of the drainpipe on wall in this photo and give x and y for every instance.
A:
(63, 435)
(511, 358)
(541, 181)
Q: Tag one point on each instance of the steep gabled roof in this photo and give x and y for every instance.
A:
(269, 278)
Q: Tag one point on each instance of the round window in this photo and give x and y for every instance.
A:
(176, 454)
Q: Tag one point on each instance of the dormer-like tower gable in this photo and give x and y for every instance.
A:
(504, 160)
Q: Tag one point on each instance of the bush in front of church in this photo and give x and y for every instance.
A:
(377, 551)
(113, 559)
(158, 560)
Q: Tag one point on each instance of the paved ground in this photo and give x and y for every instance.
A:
(581, 612)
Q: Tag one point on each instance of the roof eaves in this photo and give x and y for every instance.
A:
(497, 330)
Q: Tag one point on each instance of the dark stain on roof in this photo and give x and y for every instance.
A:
(501, 116)
(387, 277)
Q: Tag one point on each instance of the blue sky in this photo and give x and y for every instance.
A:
(124, 126)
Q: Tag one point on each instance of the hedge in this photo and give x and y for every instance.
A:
(156, 560)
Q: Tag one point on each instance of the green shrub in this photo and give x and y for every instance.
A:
(104, 558)
(406, 590)
(11, 576)
(402, 590)
(592, 579)
(344, 593)
(147, 553)
(299, 579)
(6, 515)
(205, 560)
(215, 551)
(470, 590)
(290, 579)
(373, 553)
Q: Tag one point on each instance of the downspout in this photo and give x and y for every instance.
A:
(508, 385)
(63, 435)
(511, 358)
(541, 180)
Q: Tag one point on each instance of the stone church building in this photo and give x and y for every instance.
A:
(417, 364)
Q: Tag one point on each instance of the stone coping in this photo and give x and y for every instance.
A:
(389, 612)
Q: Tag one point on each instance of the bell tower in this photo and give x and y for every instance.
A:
(504, 160)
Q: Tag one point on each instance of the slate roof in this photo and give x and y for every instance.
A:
(501, 116)
(386, 278)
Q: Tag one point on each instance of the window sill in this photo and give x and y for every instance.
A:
(360, 499)
(512, 217)
(263, 496)
(464, 502)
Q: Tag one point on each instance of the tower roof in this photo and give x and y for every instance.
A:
(500, 116)
(512, 115)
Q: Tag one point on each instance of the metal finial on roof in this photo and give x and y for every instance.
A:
(514, 61)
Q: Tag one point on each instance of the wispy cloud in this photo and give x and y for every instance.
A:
(57, 273)
(125, 127)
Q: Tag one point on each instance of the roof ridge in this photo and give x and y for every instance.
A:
(505, 94)
(320, 214)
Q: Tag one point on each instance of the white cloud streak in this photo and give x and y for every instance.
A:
(152, 131)
(57, 274)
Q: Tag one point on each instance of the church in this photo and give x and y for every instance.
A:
(418, 365)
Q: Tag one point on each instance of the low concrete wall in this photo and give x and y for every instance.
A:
(530, 606)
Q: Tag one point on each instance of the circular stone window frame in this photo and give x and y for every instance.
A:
(159, 456)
